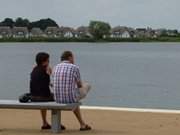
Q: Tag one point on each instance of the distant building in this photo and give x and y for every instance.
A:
(20, 32)
(36, 32)
(145, 33)
(53, 32)
(141, 32)
(150, 33)
(160, 32)
(172, 32)
(121, 32)
(5, 32)
(61, 31)
(83, 31)
(68, 32)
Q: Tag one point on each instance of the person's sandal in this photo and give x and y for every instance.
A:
(46, 127)
(63, 127)
(86, 128)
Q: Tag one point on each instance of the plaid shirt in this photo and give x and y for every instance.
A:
(65, 78)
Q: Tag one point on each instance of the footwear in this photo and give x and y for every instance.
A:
(63, 127)
(46, 127)
(86, 128)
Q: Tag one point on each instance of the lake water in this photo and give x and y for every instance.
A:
(143, 75)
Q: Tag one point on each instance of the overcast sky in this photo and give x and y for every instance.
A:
(135, 13)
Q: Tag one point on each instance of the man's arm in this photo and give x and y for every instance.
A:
(78, 78)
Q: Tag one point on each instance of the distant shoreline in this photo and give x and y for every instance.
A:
(92, 40)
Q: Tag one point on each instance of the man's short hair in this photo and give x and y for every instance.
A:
(65, 55)
(41, 57)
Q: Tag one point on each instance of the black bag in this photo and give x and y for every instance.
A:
(25, 98)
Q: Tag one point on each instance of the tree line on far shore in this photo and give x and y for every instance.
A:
(97, 29)
(20, 22)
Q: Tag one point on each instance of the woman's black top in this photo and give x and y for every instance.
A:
(39, 83)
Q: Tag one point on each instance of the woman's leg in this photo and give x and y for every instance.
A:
(43, 112)
(43, 115)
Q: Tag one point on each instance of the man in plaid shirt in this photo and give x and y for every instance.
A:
(68, 87)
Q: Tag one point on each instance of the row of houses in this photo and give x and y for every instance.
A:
(127, 32)
(68, 32)
(50, 32)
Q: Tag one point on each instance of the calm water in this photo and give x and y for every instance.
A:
(122, 75)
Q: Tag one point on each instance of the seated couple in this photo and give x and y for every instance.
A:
(67, 85)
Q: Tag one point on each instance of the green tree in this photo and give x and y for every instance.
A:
(20, 22)
(44, 23)
(7, 22)
(99, 29)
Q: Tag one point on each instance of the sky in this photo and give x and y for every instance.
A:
(133, 13)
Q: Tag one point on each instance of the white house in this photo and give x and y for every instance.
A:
(36, 32)
(53, 32)
(5, 32)
(20, 32)
(120, 32)
(68, 32)
(83, 31)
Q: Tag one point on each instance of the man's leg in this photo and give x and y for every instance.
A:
(83, 125)
(78, 115)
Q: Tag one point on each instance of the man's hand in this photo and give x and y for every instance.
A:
(79, 84)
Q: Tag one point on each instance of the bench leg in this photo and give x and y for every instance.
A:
(56, 121)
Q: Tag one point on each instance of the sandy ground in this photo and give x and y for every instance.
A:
(28, 122)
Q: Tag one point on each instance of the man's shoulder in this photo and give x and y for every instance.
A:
(75, 66)
(67, 65)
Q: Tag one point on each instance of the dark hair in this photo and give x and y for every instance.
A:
(65, 55)
(41, 57)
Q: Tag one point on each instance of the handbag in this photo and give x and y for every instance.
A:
(25, 98)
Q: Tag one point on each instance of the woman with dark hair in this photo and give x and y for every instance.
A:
(40, 84)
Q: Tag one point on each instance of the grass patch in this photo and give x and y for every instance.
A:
(159, 39)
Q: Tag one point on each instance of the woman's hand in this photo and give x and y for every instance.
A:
(49, 70)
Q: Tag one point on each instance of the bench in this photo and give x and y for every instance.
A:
(54, 107)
